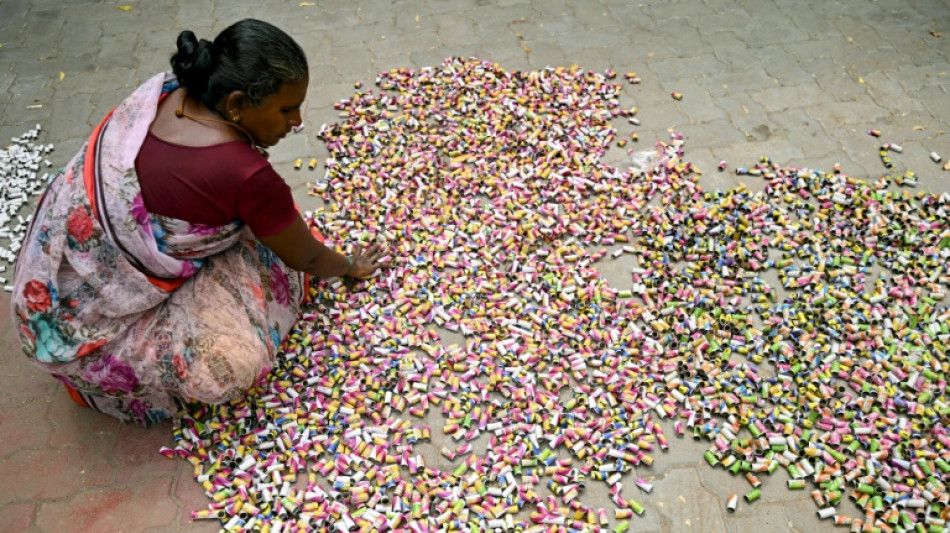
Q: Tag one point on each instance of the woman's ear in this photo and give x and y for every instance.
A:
(234, 103)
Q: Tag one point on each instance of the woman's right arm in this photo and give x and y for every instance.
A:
(300, 250)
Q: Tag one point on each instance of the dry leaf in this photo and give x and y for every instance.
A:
(526, 49)
(682, 499)
(125, 8)
(62, 75)
(417, 18)
(935, 33)
(920, 128)
(746, 109)
(305, 4)
(860, 80)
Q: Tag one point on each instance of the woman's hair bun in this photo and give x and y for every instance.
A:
(250, 56)
(192, 63)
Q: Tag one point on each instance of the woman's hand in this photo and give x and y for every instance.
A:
(366, 261)
(300, 250)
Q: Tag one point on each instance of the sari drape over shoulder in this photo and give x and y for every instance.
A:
(137, 311)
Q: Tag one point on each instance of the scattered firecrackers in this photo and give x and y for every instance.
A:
(488, 189)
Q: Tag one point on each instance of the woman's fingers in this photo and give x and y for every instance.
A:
(371, 250)
(373, 253)
(367, 260)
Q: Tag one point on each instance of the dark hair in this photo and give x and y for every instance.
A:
(251, 56)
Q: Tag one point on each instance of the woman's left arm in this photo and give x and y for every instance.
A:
(300, 250)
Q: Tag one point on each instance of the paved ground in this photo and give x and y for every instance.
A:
(799, 81)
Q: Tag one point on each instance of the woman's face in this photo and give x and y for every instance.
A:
(270, 121)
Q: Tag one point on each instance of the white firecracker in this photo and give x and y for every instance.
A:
(23, 176)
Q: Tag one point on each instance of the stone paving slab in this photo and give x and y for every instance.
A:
(795, 80)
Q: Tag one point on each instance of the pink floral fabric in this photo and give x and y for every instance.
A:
(136, 311)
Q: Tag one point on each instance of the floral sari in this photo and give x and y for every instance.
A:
(138, 312)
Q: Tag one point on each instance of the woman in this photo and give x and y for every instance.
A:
(166, 261)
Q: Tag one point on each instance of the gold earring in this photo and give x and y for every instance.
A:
(236, 118)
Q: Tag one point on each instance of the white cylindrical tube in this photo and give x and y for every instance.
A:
(732, 503)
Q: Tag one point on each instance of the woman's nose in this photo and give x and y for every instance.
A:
(296, 123)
